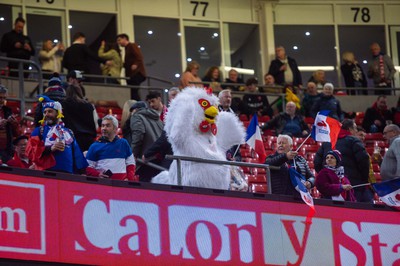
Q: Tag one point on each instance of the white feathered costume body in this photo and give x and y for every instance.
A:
(195, 128)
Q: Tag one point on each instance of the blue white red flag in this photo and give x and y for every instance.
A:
(325, 128)
(389, 192)
(297, 181)
(254, 139)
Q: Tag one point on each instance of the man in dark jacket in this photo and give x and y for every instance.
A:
(285, 69)
(133, 63)
(355, 159)
(288, 123)
(376, 116)
(17, 45)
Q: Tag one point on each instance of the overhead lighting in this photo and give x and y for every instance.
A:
(69, 26)
(179, 34)
(189, 59)
(365, 61)
(307, 33)
(295, 47)
(150, 32)
(2, 19)
(315, 68)
(177, 75)
(245, 71)
(55, 41)
(202, 48)
(215, 34)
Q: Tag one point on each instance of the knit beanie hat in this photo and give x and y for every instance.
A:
(49, 103)
(337, 155)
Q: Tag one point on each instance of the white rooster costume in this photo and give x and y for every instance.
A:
(195, 128)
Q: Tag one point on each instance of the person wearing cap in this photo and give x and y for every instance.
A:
(110, 156)
(146, 128)
(355, 159)
(20, 159)
(78, 55)
(8, 126)
(75, 78)
(332, 182)
(52, 146)
(327, 101)
(54, 91)
(133, 63)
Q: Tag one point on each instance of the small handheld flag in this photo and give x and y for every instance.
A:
(325, 128)
(254, 139)
(297, 182)
(389, 192)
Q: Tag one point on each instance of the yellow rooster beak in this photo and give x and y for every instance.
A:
(210, 113)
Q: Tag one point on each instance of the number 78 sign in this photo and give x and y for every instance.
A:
(359, 14)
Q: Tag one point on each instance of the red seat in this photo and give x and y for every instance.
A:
(243, 117)
(256, 179)
(263, 119)
(309, 120)
(373, 136)
(258, 188)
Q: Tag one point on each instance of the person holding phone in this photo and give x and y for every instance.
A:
(110, 156)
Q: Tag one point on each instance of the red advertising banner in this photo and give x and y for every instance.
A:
(73, 222)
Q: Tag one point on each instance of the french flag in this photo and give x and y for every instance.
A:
(297, 181)
(389, 192)
(254, 139)
(325, 128)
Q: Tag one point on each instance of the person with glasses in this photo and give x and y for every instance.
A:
(390, 167)
(20, 158)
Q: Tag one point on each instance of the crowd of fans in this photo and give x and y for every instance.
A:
(66, 136)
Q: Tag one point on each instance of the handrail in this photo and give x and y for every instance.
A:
(159, 79)
(180, 158)
(21, 78)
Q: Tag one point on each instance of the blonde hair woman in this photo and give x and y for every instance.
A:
(190, 75)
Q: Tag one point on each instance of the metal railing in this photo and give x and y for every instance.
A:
(179, 160)
(21, 81)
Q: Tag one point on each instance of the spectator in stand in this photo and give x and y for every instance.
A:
(110, 156)
(285, 69)
(52, 146)
(269, 80)
(77, 56)
(283, 157)
(361, 133)
(54, 91)
(146, 127)
(254, 102)
(80, 117)
(318, 77)
(125, 117)
(17, 45)
(233, 77)
(75, 78)
(288, 123)
(381, 70)
(225, 101)
(172, 93)
(190, 75)
(327, 101)
(270, 86)
(110, 51)
(353, 74)
(50, 59)
(20, 159)
(133, 63)
(8, 127)
(390, 167)
(332, 182)
(213, 75)
(377, 116)
(310, 97)
(355, 159)
(154, 101)
(396, 113)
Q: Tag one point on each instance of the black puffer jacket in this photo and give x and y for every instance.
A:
(355, 158)
(330, 103)
(280, 179)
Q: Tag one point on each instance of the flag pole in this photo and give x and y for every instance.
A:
(361, 185)
(237, 149)
(298, 148)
